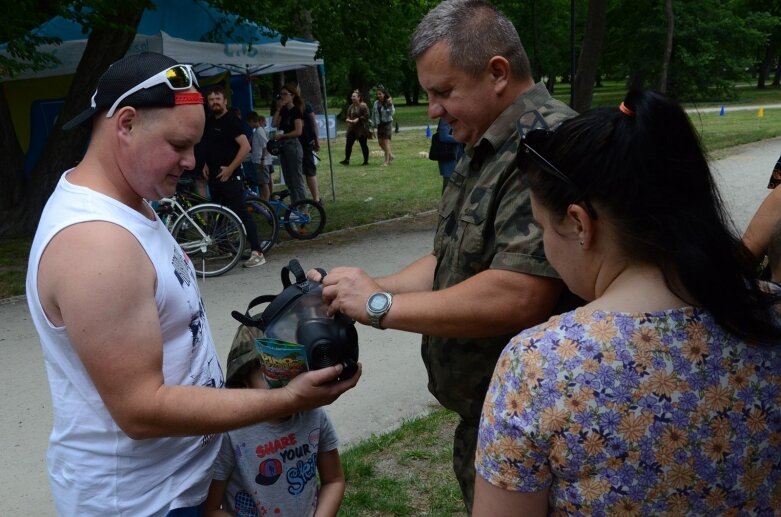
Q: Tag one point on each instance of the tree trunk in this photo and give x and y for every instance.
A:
(308, 78)
(11, 157)
(777, 76)
(668, 45)
(589, 54)
(64, 149)
(764, 67)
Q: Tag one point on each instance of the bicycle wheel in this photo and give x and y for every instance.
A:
(265, 221)
(305, 219)
(212, 237)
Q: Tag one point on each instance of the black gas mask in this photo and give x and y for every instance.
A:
(298, 315)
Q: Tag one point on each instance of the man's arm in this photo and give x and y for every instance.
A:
(416, 277)
(226, 171)
(490, 303)
(757, 236)
(344, 281)
(95, 279)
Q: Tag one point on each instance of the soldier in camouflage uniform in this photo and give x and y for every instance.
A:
(487, 277)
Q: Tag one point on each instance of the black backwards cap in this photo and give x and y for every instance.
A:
(124, 74)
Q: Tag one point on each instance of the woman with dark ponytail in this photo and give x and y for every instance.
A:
(661, 395)
(289, 121)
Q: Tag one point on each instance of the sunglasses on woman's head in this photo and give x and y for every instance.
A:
(533, 139)
(177, 77)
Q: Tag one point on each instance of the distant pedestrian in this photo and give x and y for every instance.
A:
(289, 121)
(224, 147)
(357, 128)
(259, 156)
(382, 120)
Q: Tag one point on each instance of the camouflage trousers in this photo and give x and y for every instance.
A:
(459, 372)
(464, 447)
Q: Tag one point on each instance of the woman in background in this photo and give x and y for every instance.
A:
(382, 120)
(357, 122)
(289, 121)
(661, 396)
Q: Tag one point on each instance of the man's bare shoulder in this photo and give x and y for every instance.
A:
(90, 259)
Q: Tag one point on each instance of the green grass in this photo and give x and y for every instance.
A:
(405, 472)
(411, 184)
(364, 194)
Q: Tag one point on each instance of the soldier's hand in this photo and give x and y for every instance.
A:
(346, 290)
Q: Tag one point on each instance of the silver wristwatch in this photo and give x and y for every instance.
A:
(378, 306)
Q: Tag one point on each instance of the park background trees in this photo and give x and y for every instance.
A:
(692, 49)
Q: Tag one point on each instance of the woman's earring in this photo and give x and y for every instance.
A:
(581, 243)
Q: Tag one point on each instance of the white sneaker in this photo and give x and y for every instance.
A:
(255, 260)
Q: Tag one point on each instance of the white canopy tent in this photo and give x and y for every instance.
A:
(190, 31)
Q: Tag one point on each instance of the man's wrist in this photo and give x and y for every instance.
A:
(377, 307)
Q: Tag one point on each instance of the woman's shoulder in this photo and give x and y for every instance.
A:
(587, 325)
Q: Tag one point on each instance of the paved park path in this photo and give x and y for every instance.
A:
(393, 386)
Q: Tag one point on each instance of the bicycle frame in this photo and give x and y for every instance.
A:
(279, 206)
(182, 213)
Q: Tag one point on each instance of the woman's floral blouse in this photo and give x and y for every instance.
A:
(636, 414)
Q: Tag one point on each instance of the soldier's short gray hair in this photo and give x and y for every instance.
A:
(474, 31)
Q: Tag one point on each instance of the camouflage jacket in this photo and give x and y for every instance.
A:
(485, 221)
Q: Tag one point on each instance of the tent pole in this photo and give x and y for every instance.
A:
(321, 74)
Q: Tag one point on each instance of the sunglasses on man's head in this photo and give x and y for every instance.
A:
(177, 77)
(534, 138)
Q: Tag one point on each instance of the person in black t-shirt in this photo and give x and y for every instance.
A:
(289, 121)
(224, 146)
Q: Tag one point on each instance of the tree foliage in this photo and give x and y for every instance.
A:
(714, 45)
(364, 43)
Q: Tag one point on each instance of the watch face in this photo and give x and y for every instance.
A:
(378, 302)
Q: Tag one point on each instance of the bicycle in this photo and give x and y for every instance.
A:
(265, 220)
(211, 235)
(303, 219)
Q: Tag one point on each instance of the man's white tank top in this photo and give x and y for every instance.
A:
(94, 467)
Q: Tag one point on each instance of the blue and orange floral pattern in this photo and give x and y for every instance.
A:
(636, 414)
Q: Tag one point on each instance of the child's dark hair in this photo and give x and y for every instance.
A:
(643, 165)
